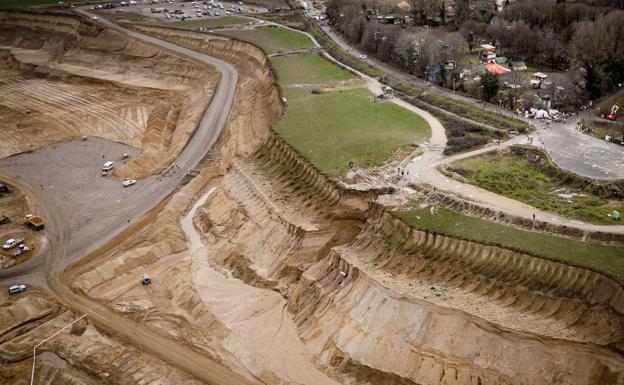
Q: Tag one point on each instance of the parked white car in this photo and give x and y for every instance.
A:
(363, 57)
(17, 289)
(10, 243)
(129, 182)
(95, 18)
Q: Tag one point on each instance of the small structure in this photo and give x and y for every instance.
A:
(146, 279)
(541, 114)
(404, 6)
(389, 19)
(4, 189)
(518, 65)
(388, 91)
(538, 79)
(501, 60)
(496, 69)
(487, 53)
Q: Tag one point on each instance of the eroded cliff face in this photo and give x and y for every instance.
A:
(63, 78)
(378, 300)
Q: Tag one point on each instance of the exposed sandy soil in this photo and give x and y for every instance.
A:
(61, 79)
(79, 355)
(266, 266)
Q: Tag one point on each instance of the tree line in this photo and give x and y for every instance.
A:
(585, 37)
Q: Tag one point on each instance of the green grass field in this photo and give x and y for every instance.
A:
(307, 69)
(272, 39)
(595, 256)
(331, 129)
(515, 177)
(219, 22)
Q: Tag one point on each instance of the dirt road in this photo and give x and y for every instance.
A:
(101, 210)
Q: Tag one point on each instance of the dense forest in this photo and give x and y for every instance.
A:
(585, 38)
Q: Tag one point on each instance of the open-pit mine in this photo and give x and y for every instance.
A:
(261, 270)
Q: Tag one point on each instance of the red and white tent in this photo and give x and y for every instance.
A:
(495, 68)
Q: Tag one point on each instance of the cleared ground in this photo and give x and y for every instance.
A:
(272, 39)
(532, 179)
(598, 257)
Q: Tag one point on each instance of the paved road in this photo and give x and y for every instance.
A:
(583, 154)
(93, 211)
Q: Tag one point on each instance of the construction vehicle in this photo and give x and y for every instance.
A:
(34, 222)
(21, 249)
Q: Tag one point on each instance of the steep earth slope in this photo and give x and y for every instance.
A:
(62, 78)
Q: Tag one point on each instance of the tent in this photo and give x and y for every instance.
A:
(496, 69)
(541, 114)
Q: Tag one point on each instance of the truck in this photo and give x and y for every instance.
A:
(35, 222)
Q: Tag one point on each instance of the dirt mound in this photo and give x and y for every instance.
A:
(64, 78)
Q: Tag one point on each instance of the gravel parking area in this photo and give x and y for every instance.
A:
(181, 12)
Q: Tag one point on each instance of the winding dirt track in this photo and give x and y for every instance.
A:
(68, 245)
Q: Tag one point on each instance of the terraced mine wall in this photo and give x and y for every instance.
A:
(64, 78)
(375, 300)
(401, 306)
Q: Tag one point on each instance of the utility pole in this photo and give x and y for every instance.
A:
(32, 375)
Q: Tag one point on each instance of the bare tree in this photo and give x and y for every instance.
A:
(598, 47)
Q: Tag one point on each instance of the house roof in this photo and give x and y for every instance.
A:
(487, 46)
(540, 75)
(501, 59)
(404, 5)
(496, 69)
